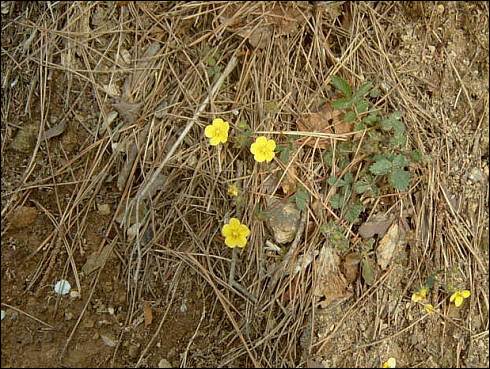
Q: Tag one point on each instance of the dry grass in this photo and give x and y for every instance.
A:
(176, 93)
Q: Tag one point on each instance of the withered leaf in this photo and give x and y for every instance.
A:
(378, 225)
(54, 131)
(387, 246)
(326, 121)
(350, 266)
(148, 313)
(288, 183)
(368, 272)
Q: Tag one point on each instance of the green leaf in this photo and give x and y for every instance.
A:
(362, 106)
(350, 116)
(327, 158)
(398, 140)
(416, 156)
(353, 213)
(348, 178)
(342, 103)
(400, 179)
(368, 273)
(374, 92)
(359, 126)
(371, 118)
(400, 161)
(332, 181)
(361, 186)
(336, 201)
(301, 198)
(363, 90)
(342, 85)
(284, 151)
(398, 126)
(381, 167)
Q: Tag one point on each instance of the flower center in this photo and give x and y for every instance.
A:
(235, 234)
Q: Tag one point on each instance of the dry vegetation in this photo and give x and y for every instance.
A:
(109, 182)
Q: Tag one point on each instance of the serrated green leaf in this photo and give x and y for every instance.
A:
(398, 127)
(342, 85)
(363, 90)
(342, 103)
(362, 106)
(327, 158)
(301, 198)
(284, 151)
(368, 273)
(359, 126)
(374, 92)
(400, 161)
(399, 179)
(350, 116)
(361, 186)
(371, 118)
(386, 124)
(381, 167)
(353, 212)
(336, 201)
(348, 178)
(416, 156)
(398, 140)
(332, 180)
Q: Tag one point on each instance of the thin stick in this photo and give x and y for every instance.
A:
(27, 314)
(231, 65)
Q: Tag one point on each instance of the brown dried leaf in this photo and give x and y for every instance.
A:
(288, 183)
(368, 271)
(129, 111)
(259, 37)
(331, 284)
(55, 130)
(387, 246)
(378, 225)
(96, 260)
(350, 266)
(148, 313)
(327, 121)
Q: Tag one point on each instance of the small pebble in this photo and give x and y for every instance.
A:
(164, 363)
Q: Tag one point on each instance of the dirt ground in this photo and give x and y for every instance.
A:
(105, 103)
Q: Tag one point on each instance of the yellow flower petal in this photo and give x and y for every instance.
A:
(466, 294)
(263, 149)
(390, 363)
(217, 131)
(453, 296)
(235, 233)
(209, 131)
(458, 300)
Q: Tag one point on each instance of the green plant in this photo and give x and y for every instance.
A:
(301, 198)
(382, 150)
(393, 167)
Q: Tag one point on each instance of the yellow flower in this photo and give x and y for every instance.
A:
(420, 295)
(235, 233)
(390, 363)
(429, 309)
(263, 149)
(232, 190)
(459, 296)
(217, 131)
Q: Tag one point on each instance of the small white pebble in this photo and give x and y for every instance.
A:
(74, 294)
(3, 314)
(62, 287)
